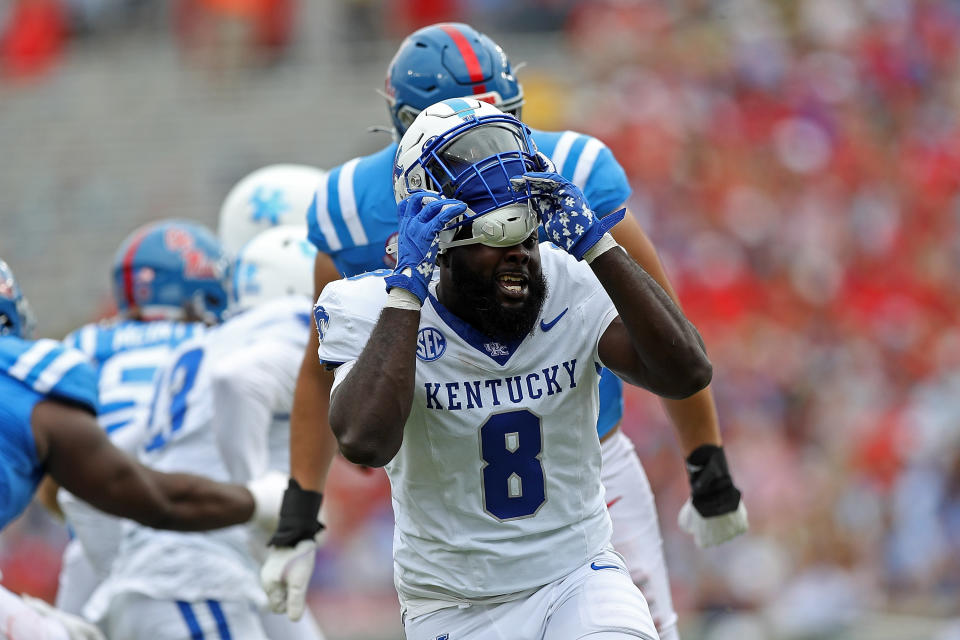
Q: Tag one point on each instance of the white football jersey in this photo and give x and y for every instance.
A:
(496, 488)
(127, 354)
(184, 435)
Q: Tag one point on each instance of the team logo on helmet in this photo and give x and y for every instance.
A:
(268, 207)
(7, 289)
(430, 344)
(197, 264)
(177, 239)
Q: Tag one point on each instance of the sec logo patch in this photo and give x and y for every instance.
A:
(430, 344)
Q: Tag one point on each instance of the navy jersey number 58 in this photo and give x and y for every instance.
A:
(513, 480)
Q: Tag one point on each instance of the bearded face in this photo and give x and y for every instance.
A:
(497, 293)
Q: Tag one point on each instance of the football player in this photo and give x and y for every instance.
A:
(353, 220)
(478, 390)
(169, 283)
(221, 407)
(48, 407)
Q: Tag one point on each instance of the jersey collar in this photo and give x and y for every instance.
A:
(497, 351)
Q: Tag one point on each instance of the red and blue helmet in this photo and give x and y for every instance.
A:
(16, 317)
(448, 60)
(165, 268)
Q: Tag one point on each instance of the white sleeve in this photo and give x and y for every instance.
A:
(249, 385)
(345, 313)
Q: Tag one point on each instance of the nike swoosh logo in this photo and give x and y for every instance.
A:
(546, 326)
(598, 567)
(614, 501)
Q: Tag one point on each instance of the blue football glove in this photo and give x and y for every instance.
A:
(422, 216)
(564, 213)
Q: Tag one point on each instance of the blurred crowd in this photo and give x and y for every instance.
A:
(797, 164)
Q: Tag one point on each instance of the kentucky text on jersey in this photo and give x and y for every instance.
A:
(494, 392)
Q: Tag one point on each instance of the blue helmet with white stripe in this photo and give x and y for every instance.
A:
(469, 151)
(16, 317)
(448, 60)
(166, 269)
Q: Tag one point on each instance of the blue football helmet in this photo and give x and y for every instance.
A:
(448, 60)
(165, 268)
(16, 316)
(469, 151)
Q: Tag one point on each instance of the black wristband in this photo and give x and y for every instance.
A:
(711, 487)
(298, 516)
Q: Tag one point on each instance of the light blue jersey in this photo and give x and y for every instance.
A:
(32, 371)
(354, 215)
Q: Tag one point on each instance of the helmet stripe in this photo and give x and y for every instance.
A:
(468, 54)
(128, 265)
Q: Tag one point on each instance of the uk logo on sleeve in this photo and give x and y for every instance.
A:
(322, 318)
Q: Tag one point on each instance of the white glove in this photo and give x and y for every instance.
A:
(77, 628)
(285, 576)
(267, 493)
(708, 532)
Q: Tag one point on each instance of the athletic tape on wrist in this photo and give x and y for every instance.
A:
(402, 299)
(604, 244)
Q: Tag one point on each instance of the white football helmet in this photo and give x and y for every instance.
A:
(469, 150)
(279, 194)
(276, 263)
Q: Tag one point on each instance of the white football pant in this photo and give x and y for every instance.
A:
(597, 601)
(133, 616)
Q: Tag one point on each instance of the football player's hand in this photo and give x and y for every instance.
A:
(285, 574)
(715, 511)
(564, 213)
(422, 216)
(77, 628)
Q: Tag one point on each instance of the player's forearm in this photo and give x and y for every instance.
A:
(695, 420)
(312, 445)
(194, 503)
(668, 347)
(372, 404)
